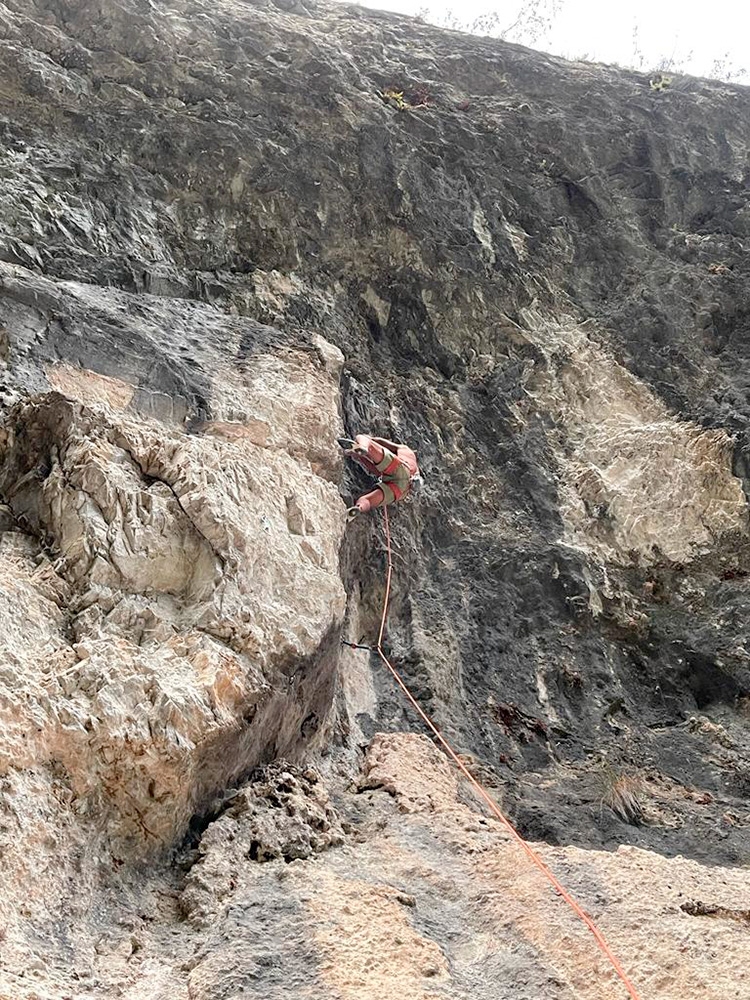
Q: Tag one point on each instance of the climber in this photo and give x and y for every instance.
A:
(395, 465)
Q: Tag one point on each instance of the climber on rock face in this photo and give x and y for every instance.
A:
(395, 465)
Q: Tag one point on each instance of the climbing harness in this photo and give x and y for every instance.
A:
(388, 464)
(527, 848)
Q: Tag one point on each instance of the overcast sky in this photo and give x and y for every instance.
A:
(695, 33)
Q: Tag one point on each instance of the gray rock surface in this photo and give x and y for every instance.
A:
(225, 240)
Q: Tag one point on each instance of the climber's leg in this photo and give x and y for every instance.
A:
(359, 452)
(365, 447)
(401, 480)
(378, 496)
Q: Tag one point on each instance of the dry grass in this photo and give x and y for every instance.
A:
(624, 796)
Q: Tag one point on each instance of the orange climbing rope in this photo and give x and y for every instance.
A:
(530, 852)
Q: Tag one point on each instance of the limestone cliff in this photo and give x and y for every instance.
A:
(231, 232)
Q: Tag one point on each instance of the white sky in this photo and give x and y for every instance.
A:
(695, 33)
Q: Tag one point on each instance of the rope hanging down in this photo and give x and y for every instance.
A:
(529, 851)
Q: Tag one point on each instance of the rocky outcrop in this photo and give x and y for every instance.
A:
(229, 234)
(429, 899)
(171, 584)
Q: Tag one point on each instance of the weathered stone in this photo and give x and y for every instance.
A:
(222, 246)
(281, 814)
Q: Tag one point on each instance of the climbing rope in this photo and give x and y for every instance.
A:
(527, 848)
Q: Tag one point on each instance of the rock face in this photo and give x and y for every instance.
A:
(171, 589)
(230, 233)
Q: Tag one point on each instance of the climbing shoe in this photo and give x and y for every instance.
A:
(352, 513)
(346, 442)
